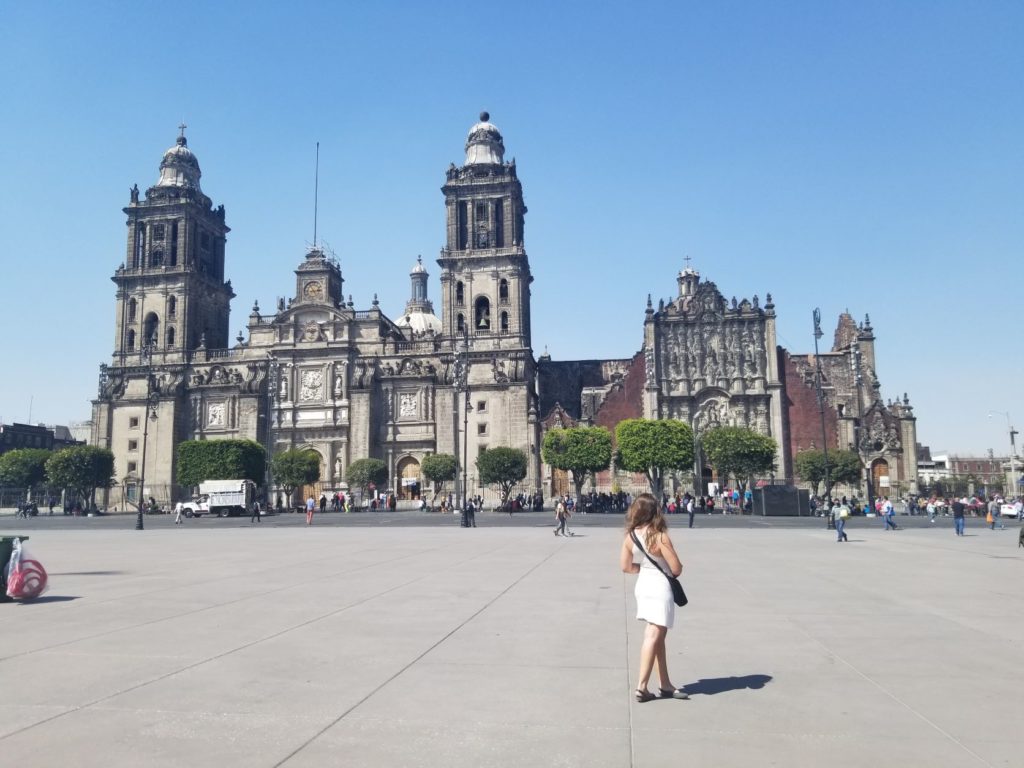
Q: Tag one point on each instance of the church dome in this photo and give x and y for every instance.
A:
(484, 145)
(420, 323)
(179, 167)
(418, 268)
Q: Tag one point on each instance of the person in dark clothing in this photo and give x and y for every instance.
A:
(323, 503)
(958, 517)
(256, 513)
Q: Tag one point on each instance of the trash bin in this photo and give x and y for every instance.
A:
(6, 548)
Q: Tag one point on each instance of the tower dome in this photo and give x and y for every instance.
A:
(419, 317)
(484, 145)
(179, 167)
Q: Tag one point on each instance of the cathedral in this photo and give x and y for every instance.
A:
(316, 373)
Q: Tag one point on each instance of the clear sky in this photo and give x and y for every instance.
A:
(862, 155)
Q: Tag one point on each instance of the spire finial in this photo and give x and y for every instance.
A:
(485, 116)
(181, 136)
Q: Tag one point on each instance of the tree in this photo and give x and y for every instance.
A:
(201, 460)
(24, 467)
(739, 452)
(843, 467)
(503, 467)
(581, 450)
(439, 468)
(654, 447)
(83, 469)
(362, 473)
(293, 468)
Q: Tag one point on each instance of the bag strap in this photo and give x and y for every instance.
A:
(632, 535)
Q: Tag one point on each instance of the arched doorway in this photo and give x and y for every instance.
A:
(560, 485)
(313, 489)
(880, 469)
(707, 476)
(408, 478)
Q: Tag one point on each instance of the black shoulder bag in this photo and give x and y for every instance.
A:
(678, 595)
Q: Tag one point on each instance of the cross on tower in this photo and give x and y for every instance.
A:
(182, 128)
(686, 258)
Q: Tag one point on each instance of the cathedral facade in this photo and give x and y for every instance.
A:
(315, 372)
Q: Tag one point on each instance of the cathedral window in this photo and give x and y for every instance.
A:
(174, 244)
(158, 232)
(460, 323)
(482, 314)
(460, 294)
(140, 245)
(172, 307)
(170, 338)
(157, 259)
(204, 241)
(481, 213)
(503, 291)
(463, 215)
(149, 335)
(504, 322)
(499, 224)
(130, 341)
(132, 309)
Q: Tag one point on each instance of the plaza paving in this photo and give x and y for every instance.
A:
(353, 645)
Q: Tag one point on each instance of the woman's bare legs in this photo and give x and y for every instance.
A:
(654, 636)
(661, 663)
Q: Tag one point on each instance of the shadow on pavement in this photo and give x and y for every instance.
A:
(711, 685)
(49, 599)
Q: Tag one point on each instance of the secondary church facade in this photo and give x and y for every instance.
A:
(315, 372)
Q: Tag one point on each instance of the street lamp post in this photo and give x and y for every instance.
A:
(152, 401)
(462, 392)
(272, 369)
(858, 378)
(1014, 490)
(821, 408)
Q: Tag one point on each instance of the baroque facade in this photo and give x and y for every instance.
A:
(314, 372)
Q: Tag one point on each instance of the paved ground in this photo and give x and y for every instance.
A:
(231, 645)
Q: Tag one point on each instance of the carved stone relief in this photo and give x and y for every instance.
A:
(408, 405)
(311, 386)
(215, 415)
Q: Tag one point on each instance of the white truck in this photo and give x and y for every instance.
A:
(224, 498)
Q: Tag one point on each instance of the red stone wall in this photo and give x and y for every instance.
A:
(800, 412)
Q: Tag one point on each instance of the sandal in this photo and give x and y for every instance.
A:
(643, 695)
(670, 693)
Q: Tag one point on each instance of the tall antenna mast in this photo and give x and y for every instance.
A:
(316, 191)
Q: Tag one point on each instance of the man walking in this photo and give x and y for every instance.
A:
(690, 508)
(889, 514)
(255, 512)
(178, 509)
(958, 516)
(561, 515)
(841, 512)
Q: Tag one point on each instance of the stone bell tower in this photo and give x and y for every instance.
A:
(171, 292)
(485, 278)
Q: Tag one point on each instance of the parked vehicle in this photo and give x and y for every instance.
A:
(224, 498)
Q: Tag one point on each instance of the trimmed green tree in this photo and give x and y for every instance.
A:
(294, 468)
(24, 468)
(584, 451)
(654, 447)
(739, 452)
(439, 468)
(362, 473)
(201, 460)
(844, 467)
(503, 467)
(83, 469)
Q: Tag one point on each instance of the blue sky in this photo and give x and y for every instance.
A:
(863, 156)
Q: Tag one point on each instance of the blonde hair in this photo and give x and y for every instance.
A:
(645, 511)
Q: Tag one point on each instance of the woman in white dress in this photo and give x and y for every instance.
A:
(654, 603)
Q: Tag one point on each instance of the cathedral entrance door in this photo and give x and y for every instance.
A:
(408, 478)
(560, 484)
(707, 476)
(880, 469)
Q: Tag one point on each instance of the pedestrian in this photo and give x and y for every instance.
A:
(178, 509)
(958, 516)
(930, 507)
(53, 503)
(646, 539)
(470, 514)
(310, 506)
(842, 512)
(323, 503)
(255, 512)
(691, 508)
(561, 516)
(889, 513)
